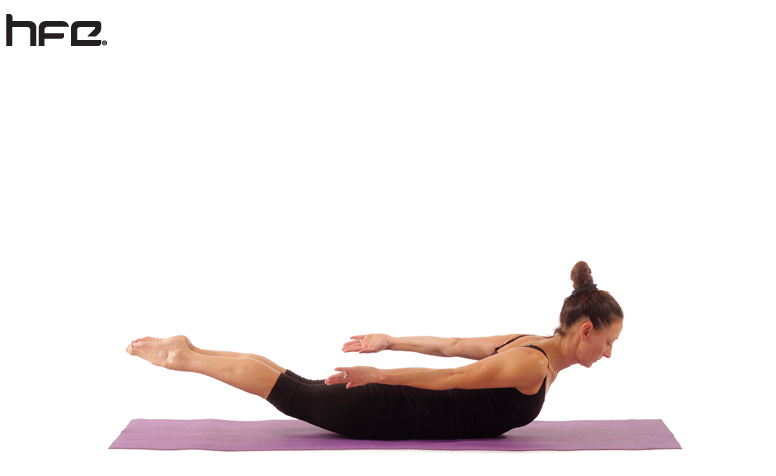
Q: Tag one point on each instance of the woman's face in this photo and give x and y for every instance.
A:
(596, 344)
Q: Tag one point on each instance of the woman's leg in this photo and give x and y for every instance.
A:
(220, 353)
(360, 412)
(247, 374)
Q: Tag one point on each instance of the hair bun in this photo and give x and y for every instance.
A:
(581, 275)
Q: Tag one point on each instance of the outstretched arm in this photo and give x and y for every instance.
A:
(517, 368)
(476, 348)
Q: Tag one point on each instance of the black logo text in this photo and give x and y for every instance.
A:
(43, 35)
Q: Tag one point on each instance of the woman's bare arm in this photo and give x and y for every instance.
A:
(518, 368)
(476, 348)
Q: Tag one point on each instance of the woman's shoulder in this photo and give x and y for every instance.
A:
(526, 365)
(527, 349)
(532, 361)
(530, 357)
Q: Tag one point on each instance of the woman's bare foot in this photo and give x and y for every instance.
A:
(167, 353)
(156, 339)
(188, 342)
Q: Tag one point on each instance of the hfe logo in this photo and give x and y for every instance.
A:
(43, 35)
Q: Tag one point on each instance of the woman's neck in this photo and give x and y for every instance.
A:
(560, 351)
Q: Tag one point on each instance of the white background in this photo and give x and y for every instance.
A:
(274, 177)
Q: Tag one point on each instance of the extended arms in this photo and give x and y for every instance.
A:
(514, 369)
(469, 348)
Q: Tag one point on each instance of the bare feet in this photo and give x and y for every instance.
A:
(188, 342)
(156, 339)
(167, 353)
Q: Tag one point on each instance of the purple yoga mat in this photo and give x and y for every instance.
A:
(278, 435)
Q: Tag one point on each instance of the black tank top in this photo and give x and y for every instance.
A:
(480, 413)
(389, 412)
(544, 383)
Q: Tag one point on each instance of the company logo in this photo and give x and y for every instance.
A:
(41, 34)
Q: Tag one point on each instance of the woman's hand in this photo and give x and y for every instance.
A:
(367, 344)
(354, 376)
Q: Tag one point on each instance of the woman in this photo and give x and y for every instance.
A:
(504, 389)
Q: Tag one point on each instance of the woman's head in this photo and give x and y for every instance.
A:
(588, 304)
(592, 345)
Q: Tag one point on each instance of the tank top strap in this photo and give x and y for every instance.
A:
(508, 342)
(539, 349)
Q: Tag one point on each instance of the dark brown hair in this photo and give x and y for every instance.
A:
(598, 306)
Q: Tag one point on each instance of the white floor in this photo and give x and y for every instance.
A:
(274, 178)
